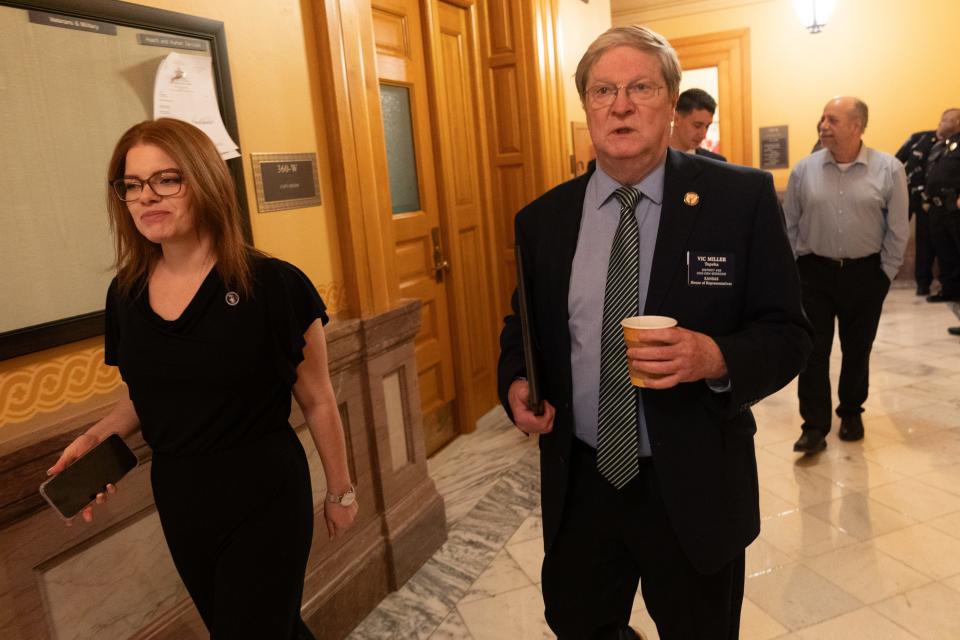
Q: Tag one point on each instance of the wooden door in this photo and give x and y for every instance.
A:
(729, 51)
(453, 63)
(583, 151)
(420, 253)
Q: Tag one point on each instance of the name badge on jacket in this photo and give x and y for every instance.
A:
(709, 269)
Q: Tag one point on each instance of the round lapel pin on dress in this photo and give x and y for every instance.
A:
(691, 198)
(953, 145)
(232, 298)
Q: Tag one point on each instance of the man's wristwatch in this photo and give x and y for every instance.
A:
(345, 499)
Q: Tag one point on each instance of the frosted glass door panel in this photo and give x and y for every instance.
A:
(401, 155)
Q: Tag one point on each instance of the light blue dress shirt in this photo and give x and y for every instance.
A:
(849, 212)
(588, 279)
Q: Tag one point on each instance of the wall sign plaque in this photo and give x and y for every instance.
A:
(171, 42)
(774, 150)
(71, 22)
(285, 181)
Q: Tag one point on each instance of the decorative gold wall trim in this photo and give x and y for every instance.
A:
(634, 12)
(334, 296)
(52, 384)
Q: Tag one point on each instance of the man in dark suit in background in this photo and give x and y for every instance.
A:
(692, 119)
(657, 485)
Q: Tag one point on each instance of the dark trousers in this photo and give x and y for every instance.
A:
(945, 231)
(608, 542)
(850, 294)
(924, 250)
(239, 524)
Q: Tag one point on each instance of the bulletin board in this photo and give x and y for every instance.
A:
(74, 75)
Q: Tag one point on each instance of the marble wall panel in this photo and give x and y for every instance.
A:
(113, 586)
(396, 425)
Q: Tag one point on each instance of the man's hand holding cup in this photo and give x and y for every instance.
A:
(662, 355)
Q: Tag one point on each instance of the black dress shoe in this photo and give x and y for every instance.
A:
(939, 297)
(810, 441)
(954, 331)
(851, 428)
(923, 290)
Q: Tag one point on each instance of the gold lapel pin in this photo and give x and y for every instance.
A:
(691, 198)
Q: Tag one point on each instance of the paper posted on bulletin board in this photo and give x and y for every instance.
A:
(184, 89)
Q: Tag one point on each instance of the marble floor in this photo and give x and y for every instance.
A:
(861, 542)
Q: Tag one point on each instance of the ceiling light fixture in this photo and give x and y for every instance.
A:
(814, 14)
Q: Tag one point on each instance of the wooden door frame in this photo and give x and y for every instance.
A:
(401, 61)
(525, 117)
(354, 128)
(729, 51)
(467, 412)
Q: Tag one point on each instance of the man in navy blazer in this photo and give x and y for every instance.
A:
(711, 252)
(691, 121)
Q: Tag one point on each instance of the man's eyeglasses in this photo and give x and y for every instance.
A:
(163, 183)
(604, 95)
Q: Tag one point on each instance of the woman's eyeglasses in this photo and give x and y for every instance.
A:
(163, 183)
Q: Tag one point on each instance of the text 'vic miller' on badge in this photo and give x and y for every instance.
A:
(709, 269)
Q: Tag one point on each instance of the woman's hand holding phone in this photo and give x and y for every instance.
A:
(74, 451)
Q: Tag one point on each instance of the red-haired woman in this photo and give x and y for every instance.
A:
(211, 337)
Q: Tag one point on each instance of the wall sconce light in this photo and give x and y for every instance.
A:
(814, 14)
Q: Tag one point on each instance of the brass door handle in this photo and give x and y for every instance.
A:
(440, 264)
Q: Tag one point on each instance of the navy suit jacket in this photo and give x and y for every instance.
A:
(706, 153)
(702, 441)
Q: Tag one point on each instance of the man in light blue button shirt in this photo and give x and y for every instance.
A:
(846, 213)
(711, 252)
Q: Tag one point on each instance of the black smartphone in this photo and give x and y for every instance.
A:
(78, 485)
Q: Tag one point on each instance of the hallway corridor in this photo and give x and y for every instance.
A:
(860, 542)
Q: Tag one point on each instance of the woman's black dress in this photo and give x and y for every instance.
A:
(230, 478)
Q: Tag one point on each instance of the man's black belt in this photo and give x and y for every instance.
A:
(943, 203)
(945, 200)
(840, 263)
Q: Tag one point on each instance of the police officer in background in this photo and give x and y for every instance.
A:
(941, 199)
(913, 154)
